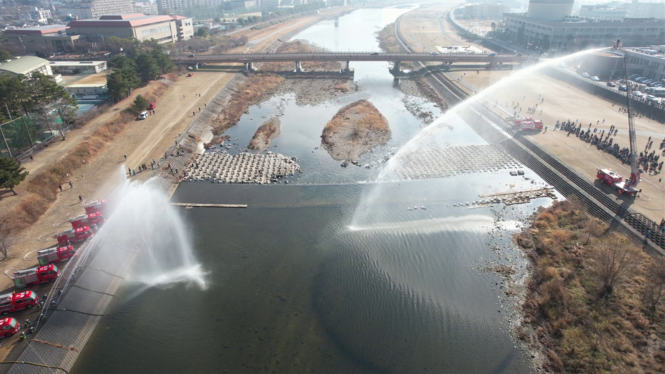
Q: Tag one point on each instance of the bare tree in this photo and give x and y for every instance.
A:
(611, 264)
(655, 285)
(7, 236)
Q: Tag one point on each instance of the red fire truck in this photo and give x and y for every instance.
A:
(528, 123)
(33, 276)
(9, 327)
(96, 206)
(75, 235)
(616, 181)
(15, 301)
(55, 254)
(95, 218)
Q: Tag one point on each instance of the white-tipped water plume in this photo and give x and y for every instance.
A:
(434, 135)
(142, 221)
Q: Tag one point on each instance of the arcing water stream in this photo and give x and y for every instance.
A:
(379, 277)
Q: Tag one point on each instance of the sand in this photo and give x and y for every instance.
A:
(354, 130)
(264, 134)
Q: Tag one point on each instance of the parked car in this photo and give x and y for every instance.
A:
(595, 78)
(586, 75)
(623, 88)
(611, 84)
(152, 106)
(143, 115)
(434, 53)
(653, 99)
(192, 55)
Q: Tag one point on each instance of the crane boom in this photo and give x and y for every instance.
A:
(634, 167)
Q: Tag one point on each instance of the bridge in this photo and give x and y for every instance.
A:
(249, 59)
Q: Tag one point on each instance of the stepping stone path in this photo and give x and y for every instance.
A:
(453, 160)
(242, 168)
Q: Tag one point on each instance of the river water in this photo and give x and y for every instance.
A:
(296, 284)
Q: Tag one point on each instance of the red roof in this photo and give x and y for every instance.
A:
(38, 30)
(178, 18)
(123, 20)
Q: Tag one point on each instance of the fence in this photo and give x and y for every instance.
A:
(23, 133)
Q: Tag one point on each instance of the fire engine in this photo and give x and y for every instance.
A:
(13, 302)
(37, 275)
(55, 254)
(617, 182)
(528, 123)
(9, 327)
(628, 187)
(95, 218)
(75, 235)
(96, 206)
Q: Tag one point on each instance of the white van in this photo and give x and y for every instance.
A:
(143, 115)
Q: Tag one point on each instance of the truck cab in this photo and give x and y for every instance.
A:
(55, 254)
(9, 326)
(75, 235)
(94, 218)
(96, 206)
(34, 276)
(13, 302)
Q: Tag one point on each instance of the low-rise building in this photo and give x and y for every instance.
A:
(648, 62)
(185, 27)
(163, 29)
(25, 65)
(87, 89)
(78, 67)
(46, 38)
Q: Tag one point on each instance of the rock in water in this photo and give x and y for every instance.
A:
(264, 134)
(354, 130)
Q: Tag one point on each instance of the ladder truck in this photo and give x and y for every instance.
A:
(616, 181)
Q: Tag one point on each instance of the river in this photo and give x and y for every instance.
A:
(296, 285)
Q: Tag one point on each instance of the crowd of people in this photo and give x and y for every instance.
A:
(649, 162)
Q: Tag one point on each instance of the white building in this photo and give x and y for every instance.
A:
(577, 35)
(148, 8)
(648, 62)
(78, 67)
(40, 15)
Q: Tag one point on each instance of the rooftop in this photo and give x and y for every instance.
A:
(22, 65)
(582, 21)
(122, 20)
(75, 63)
(43, 29)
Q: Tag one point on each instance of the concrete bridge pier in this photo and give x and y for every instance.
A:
(299, 67)
(249, 67)
(348, 66)
(397, 68)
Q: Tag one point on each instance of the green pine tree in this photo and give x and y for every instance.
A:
(11, 173)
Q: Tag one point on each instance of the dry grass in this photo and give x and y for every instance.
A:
(361, 115)
(264, 134)
(581, 328)
(248, 93)
(43, 187)
(387, 39)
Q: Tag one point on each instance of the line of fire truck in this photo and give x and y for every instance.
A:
(83, 227)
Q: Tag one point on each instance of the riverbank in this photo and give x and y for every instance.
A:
(594, 299)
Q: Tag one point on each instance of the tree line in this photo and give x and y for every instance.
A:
(135, 63)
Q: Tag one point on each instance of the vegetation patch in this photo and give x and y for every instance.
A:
(354, 130)
(594, 301)
(264, 134)
(43, 187)
(388, 41)
(248, 93)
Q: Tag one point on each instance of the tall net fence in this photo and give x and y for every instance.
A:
(23, 133)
